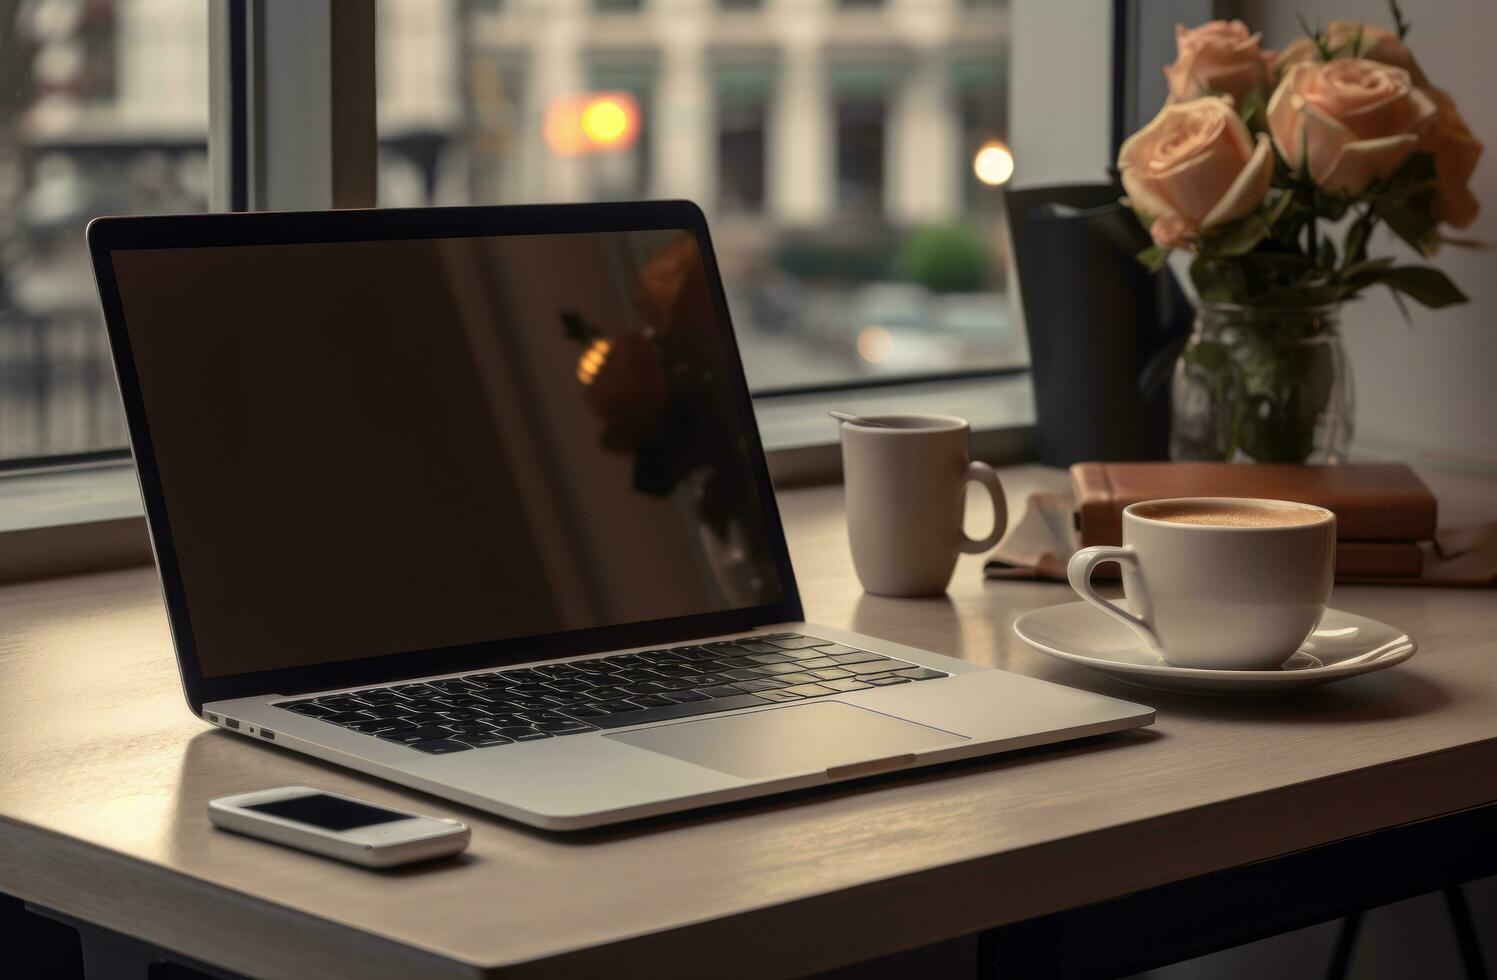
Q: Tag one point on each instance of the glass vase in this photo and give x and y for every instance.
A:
(1262, 384)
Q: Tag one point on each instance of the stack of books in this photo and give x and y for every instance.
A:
(1383, 510)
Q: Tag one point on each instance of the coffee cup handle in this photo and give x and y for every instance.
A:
(1079, 572)
(979, 472)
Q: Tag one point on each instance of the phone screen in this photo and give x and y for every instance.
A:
(328, 812)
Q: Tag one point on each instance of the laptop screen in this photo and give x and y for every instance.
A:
(379, 447)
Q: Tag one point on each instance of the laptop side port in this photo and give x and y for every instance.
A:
(232, 723)
(267, 734)
(211, 717)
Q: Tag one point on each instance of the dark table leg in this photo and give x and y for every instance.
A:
(1191, 918)
(108, 955)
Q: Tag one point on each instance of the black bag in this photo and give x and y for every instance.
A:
(1104, 332)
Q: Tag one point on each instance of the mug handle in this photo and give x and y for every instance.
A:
(979, 472)
(1079, 572)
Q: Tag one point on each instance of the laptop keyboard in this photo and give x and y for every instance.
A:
(502, 707)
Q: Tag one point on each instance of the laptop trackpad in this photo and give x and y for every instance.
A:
(792, 739)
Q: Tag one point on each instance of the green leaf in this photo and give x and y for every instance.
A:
(1422, 284)
(1154, 257)
(1327, 252)
(1354, 246)
(1416, 227)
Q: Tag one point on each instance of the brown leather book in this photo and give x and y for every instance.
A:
(1383, 502)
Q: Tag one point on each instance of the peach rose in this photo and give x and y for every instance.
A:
(1347, 122)
(1449, 140)
(1351, 39)
(1219, 58)
(1193, 168)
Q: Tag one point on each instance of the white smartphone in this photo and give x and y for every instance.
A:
(339, 826)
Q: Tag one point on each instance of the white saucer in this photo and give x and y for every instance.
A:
(1342, 646)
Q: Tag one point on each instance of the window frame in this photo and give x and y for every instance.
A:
(304, 136)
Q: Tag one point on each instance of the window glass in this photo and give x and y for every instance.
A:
(849, 154)
(103, 110)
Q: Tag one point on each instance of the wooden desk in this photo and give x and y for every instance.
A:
(104, 777)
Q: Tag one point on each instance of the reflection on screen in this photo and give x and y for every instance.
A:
(377, 447)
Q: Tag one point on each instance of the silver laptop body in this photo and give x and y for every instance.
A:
(473, 500)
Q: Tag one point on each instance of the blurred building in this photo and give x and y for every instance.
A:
(795, 111)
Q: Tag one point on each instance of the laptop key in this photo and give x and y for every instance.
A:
(571, 686)
(586, 711)
(525, 704)
(770, 670)
(779, 695)
(705, 680)
(546, 715)
(563, 727)
(830, 673)
(846, 684)
(649, 715)
(796, 643)
(853, 656)
(618, 706)
(309, 708)
(425, 733)
(484, 740)
(440, 746)
(460, 714)
(759, 686)
(379, 695)
(837, 649)
(424, 717)
(681, 697)
(469, 727)
(797, 678)
(425, 704)
(743, 674)
(810, 690)
(348, 717)
(756, 646)
(719, 691)
(341, 702)
(380, 725)
(919, 674)
(415, 690)
(817, 662)
(387, 710)
(769, 658)
(452, 685)
(885, 681)
(881, 667)
(651, 700)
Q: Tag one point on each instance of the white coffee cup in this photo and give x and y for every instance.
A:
(906, 488)
(1218, 596)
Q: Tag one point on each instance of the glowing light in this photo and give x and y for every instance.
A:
(994, 164)
(592, 360)
(605, 122)
(598, 122)
(875, 344)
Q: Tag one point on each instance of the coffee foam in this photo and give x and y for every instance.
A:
(1231, 515)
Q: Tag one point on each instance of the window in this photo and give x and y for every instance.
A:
(832, 143)
(103, 110)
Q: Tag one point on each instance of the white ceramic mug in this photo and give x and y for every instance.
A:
(906, 487)
(1214, 596)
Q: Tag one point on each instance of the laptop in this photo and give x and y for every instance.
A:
(473, 500)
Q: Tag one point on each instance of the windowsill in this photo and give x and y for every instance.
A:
(801, 440)
(71, 519)
(89, 517)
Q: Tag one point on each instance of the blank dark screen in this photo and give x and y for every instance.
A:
(368, 448)
(328, 812)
